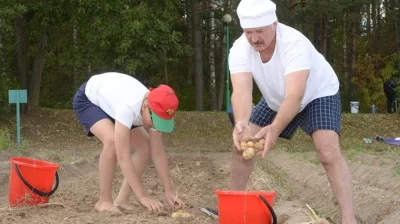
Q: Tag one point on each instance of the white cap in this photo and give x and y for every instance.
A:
(256, 13)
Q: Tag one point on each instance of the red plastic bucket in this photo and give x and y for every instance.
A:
(246, 207)
(31, 181)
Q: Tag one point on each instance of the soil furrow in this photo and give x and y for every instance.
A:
(310, 184)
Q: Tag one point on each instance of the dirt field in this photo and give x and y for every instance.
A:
(199, 160)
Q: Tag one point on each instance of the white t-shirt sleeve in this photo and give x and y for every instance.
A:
(125, 115)
(238, 61)
(297, 57)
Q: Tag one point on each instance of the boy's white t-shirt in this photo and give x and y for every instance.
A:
(119, 95)
(293, 52)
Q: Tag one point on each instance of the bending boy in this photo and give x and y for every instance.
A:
(116, 108)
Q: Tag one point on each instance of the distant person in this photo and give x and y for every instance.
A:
(116, 108)
(389, 89)
(300, 89)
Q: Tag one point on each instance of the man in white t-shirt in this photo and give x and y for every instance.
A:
(116, 108)
(299, 89)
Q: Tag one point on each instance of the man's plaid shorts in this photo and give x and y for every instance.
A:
(322, 113)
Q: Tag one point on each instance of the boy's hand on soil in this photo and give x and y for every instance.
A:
(173, 200)
(239, 132)
(151, 204)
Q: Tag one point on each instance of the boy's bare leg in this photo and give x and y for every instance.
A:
(104, 130)
(141, 157)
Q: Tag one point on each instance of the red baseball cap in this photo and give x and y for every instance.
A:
(163, 102)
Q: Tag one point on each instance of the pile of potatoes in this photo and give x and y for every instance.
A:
(250, 148)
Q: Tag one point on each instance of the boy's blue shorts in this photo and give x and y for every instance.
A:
(88, 113)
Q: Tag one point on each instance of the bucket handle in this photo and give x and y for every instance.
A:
(40, 193)
(274, 219)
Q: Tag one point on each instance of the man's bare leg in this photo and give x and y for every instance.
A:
(141, 157)
(240, 168)
(104, 130)
(328, 148)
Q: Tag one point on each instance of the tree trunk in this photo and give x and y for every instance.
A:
(324, 35)
(76, 77)
(316, 34)
(292, 12)
(345, 63)
(22, 34)
(199, 80)
(377, 31)
(378, 13)
(222, 73)
(353, 53)
(368, 19)
(373, 19)
(211, 59)
(373, 15)
(397, 28)
(34, 88)
(2, 57)
(190, 41)
(387, 10)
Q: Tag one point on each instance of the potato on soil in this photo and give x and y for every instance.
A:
(249, 153)
(180, 214)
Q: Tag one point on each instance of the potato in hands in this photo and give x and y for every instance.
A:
(250, 148)
(249, 153)
(243, 146)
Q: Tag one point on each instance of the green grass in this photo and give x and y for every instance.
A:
(397, 171)
(315, 162)
(352, 152)
(358, 148)
(205, 131)
(23, 147)
(5, 139)
(397, 168)
(7, 144)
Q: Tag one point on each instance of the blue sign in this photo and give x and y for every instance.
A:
(18, 96)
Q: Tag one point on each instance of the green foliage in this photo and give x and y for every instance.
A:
(10, 9)
(397, 167)
(371, 72)
(149, 39)
(6, 83)
(131, 36)
(397, 89)
(6, 143)
(5, 139)
(4, 86)
(22, 149)
(139, 38)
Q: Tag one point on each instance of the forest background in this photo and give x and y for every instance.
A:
(50, 47)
